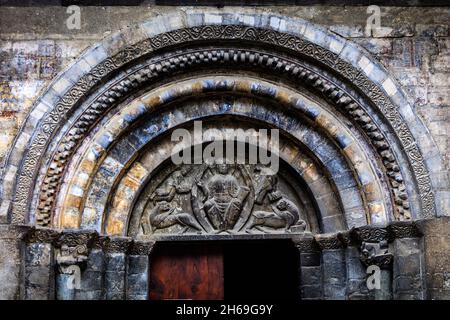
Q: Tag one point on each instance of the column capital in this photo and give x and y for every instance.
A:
(369, 234)
(141, 248)
(74, 246)
(332, 241)
(403, 229)
(376, 253)
(42, 235)
(305, 242)
(117, 245)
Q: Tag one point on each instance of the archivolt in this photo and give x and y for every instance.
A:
(339, 153)
(54, 132)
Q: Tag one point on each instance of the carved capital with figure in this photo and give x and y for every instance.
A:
(73, 247)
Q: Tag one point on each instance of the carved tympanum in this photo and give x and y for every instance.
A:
(220, 198)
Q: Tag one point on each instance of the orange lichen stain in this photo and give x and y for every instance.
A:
(283, 97)
(73, 201)
(137, 172)
(152, 101)
(351, 153)
(372, 191)
(243, 86)
(197, 87)
(324, 122)
(87, 165)
(69, 221)
(114, 227)
(130, 183)
(376, 208)
(310, 174)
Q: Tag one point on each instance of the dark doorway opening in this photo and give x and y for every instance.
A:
(261, 270)
(252, 270)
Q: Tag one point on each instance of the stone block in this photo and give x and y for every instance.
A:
(137, 284)
(334, 271)
(311, 276)
(91, 281)
(309, 259)
(311, 292)
(115, 262)
(138, 264)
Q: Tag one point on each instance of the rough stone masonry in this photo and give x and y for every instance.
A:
(87, 190)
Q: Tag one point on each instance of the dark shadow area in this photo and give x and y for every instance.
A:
(245, 270)
(261, 270)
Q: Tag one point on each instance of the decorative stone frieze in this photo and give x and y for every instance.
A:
(400, 229)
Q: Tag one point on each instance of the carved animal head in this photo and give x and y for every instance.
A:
(282, 205)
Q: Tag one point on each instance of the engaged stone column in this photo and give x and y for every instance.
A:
(356, 275)
(39, 264)
(310, 272)
(334, 268)
(408, 270)
(138, 270)
(11, 248)
(116, 265)
(92, 277)
(71, 256)
(375, 255)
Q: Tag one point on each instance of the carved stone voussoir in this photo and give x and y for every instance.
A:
(141, 248)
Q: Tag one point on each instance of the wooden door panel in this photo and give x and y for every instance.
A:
(187, 272)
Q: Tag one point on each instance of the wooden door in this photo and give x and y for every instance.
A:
(229, 270)
(193, 271)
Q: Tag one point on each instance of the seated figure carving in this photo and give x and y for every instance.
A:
(224, 198)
